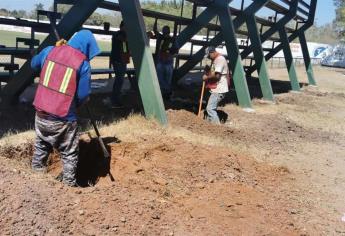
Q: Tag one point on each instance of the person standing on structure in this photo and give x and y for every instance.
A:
(120, 58)
(64, 85)
(165, 50)
(217, 80)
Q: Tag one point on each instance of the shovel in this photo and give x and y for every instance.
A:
(201, 98)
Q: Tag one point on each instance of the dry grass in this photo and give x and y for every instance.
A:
(16, 139)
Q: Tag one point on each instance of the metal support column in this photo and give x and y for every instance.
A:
(280, 24)
(218, 39)
(297, 33)
(143, 60)
(259, 57)
(235, 62)
(197, 24)
(289, 60)
(307, 60)
(71, 22)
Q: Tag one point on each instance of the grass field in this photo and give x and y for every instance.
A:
(8, 38)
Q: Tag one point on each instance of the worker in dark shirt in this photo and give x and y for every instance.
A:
(165, 50)
(120, 58)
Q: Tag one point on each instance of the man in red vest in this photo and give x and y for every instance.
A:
(64, 85)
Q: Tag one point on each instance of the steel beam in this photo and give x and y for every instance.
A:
(256, 46)
(227, 25)
(289, 60)
(217, 40)
(295, 34)
(280, 27)
(275, 27)
(307, 60)
(235, 62)
(143, 60)
(202, 20)
(71, 22)
(303, 41)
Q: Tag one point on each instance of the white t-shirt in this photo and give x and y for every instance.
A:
(221, 66)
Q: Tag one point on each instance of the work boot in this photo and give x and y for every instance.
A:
(72, 184)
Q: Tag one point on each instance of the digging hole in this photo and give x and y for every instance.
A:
(91, 165)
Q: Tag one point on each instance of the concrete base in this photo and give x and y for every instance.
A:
(295, 92)
(249, 110)
(269, 102)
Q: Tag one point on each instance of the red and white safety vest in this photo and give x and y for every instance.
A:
(58, 81)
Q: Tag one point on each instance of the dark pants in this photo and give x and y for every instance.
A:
(61, 135)
(165, 73)
(120, 70)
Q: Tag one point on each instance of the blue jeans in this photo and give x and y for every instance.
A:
(165, 73)
(120, 71)
(212, 105)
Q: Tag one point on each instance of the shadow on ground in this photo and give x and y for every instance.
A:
(186, 96)
(92, 164)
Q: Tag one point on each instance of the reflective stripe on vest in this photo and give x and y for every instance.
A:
(66, 79)
(48, 73)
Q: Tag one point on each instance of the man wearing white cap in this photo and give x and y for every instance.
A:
(217, 81)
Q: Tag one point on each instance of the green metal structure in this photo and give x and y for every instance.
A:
(232, 22)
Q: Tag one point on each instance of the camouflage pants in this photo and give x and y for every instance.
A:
(64, 137)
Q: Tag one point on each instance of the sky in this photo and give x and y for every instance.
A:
(325, 9)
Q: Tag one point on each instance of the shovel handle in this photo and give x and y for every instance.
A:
(201, 98)
(99, 138)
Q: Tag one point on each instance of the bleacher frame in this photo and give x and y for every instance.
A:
(259, 29)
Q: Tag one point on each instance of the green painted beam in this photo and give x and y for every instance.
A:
(143, 61)
(235, 61)
(289, 60)
(275, 27)
(71, 22)
(218, 39)
(307, 60)
(296, 34)
(256, 46)
(192, 29)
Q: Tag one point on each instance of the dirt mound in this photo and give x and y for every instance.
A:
(191, 122)
(21, 152)
(274, 135)
(198, 188)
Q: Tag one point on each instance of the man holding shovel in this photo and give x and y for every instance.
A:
(64, 86)
(216, 78)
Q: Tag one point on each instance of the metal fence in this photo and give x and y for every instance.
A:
(279, 62)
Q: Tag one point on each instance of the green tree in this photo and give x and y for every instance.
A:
(96, 19)
(19, 14)
(4, 12)
(340, 17)
(37, 6)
